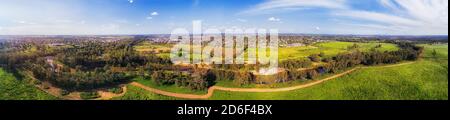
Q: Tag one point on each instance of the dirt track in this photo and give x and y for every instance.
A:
(214, 88)
(255, 90)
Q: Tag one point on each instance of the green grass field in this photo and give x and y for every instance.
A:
(13, 89)
(169, 88)
(286, 53)
(135, 93)
(426, 79)
(329, 48)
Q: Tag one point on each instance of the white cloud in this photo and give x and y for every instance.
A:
(110, 27)
(23, 22)
(388, 4)
(154, 14)
(377, 17)
(241, 20)
(405, 16)
(130, 1)
(317, 28)
(290, 5)
(273, 19)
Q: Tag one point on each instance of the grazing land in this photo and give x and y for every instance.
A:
(127, 68)
(14, 89)
(330, 49)
(426, 79)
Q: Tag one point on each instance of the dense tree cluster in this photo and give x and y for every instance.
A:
(75, 80)
(200, 79)
(343, 61)
(295, 64)
(119, 54)
(81, 66)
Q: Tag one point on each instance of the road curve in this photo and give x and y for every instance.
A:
(214, 88)
(254, 90)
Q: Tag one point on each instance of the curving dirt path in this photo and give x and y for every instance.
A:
(257, 90)
(106, 95)
(389, 66)
(214, 88)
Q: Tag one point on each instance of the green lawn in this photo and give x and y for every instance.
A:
(329, 48)
(169, 88)
(135, 93)
(13, 89)
(425, 80)
(143, 46)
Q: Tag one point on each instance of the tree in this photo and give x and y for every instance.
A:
(243, 77)
(312, 74)
(353, 47)
(314, 58)
(434, 53)
(322, 54)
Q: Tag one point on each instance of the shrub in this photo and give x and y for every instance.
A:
(89, 95)
(322, 54)
(64, 92)
(314, 58)
(312, 74)
(46, 87)
(116, 90)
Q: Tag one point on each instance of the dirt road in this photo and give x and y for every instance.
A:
(255, 90)
(214, 88)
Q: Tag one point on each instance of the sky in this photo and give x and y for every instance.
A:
(98, 17)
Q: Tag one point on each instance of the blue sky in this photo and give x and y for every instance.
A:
(382, 17)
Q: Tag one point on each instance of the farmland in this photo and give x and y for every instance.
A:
(13, 89)
(325, 70)
(425, 79)
(390, 83)
(329, 49)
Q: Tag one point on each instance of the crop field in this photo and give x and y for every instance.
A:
(330, 49)
(425, 79)
(286, 53)
(161, 50)
(13, 89)
(147, 46)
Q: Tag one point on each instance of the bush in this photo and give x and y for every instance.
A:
(314, 58)
(116, 90)
(89, 95)
(295, 64)
(46, 87)
(36, 82)
(322, 54)
(312, 74)
(327, 60)
(64, 92)
(244, 77)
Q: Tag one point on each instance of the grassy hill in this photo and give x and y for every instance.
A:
(136, 93)
(13, 89)
(425, 79)
(330, 49)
